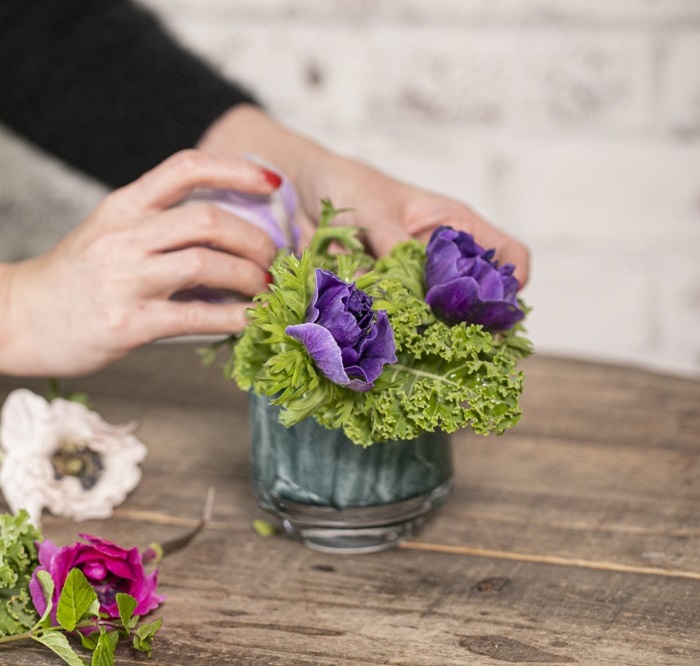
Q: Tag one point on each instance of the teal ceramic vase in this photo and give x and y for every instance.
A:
(336, 496)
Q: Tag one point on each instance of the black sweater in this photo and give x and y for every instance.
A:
(101, 85)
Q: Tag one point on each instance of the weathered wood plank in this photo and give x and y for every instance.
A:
(573, 498)
(615, 405)
(236, 598)
(602, 468)
(513, 493)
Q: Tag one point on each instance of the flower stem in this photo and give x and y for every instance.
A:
(17, 637)
(40, 631)
(398, 367)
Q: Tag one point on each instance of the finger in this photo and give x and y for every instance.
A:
(206, 224)
(306, 230)
(166, 319)
(171, 181)
(382, 238)
(166, 274)
(517, 254)
(383, 229)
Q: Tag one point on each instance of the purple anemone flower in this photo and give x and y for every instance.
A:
(349, 342)
(109, 569)
(465, 284)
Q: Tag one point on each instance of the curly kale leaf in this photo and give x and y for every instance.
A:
(513, 341)
(18, 559)
(457, 382)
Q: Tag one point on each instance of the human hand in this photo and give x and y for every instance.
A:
(389, 210)
(106, 288)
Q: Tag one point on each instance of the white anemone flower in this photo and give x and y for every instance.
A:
(64, 457)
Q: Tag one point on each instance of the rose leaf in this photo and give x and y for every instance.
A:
(106, 646)
(143, 636)
(59, 644)
(76, 600)
(126, 605)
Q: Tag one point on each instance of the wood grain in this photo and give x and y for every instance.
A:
(573, 539)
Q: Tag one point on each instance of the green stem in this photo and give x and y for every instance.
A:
(398, 367)
(54, 389)
(17, 637)
(38, 631)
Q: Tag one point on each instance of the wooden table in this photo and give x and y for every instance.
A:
(574, 538)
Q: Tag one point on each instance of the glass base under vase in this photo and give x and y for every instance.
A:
(336, 496)
(356, 530)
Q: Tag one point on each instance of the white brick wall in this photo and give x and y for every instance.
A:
(574, 124)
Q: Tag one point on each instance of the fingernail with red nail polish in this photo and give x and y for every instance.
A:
(268, 278)
(272, 178)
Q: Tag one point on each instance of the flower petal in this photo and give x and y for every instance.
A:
(36, 591)
(378, 348)
(322, 348)
(24, 421)
(442, 256)
(459, 301)
(497, 315)
(332, 306)
(256, 210)
(46, 549)
(452, 301)
(326, 354)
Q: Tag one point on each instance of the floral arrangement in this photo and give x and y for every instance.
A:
(96, 592)
(424, 339)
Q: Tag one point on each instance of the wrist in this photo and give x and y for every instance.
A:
(8, 337)
(16, 354)
(248, 129)
(317, 173)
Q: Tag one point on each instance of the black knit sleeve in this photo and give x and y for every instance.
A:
(101, 85)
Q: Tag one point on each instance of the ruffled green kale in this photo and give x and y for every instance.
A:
(18, 559)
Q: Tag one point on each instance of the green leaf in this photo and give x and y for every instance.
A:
(126, 605)
(143, 636)
(264, 528)
(54, 389)
(75, 396)
(77, 598)
(94, 609)
(59, 644)
(80, 397)
(105, 649)
(89, 641)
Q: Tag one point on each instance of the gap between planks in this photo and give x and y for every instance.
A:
(164, 519)
(548, 559)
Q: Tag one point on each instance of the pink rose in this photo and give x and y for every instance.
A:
(109, 569)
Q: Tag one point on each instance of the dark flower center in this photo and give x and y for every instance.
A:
(360, 306)
(108, 588)
(73, 459)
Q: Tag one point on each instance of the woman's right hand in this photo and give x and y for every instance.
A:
(105, 288)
